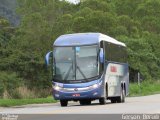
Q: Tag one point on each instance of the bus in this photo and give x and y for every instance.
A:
(87, 67)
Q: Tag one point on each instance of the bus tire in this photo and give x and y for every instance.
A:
(85, 102)
(121, 99)
(102, 101)
(123, 94)
(63, 103)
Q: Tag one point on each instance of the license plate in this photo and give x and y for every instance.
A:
(76, 95)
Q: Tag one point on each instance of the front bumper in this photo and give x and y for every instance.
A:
(78, 95)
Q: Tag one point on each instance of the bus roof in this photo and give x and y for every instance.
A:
(77, 39)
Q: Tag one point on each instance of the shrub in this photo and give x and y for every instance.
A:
(26, 93)
(9, 82)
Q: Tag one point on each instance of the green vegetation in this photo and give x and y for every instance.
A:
(22, 49)
(145, 88)
(18, 102)
(8, 10)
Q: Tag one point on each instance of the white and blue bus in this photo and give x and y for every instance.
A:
(89, 66)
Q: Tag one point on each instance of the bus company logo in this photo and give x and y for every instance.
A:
(113, 69)
(75, 89)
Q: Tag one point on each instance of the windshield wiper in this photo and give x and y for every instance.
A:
(69, 70)
(82, 73)
(66, 76)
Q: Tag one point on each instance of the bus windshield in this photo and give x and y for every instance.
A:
(76, 63)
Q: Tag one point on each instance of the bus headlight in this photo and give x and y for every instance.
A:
(96, 85)
(57, 87)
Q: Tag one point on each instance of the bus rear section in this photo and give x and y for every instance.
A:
(117, 80)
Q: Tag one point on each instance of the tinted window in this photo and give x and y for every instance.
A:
(115, 52)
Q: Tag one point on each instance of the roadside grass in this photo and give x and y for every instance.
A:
(145, 88)
(18, 102)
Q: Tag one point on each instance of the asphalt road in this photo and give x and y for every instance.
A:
(146, 104)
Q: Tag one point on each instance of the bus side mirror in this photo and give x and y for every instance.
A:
(47, 58)
(101, 55)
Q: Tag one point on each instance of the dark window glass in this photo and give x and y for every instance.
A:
(115, 52)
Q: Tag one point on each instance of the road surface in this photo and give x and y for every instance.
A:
(145, 104)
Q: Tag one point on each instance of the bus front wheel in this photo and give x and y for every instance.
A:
(102, 101)
(63, 103)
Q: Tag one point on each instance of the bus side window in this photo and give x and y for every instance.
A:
(107, 51)
(125, 54)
